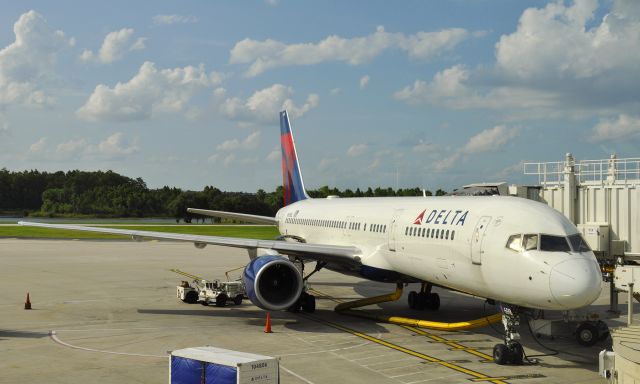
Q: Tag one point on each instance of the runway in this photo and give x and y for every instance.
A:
(106, 311)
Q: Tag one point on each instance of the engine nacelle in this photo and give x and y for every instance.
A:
(272, 282)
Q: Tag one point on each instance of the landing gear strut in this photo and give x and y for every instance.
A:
(424, 299)
(306, 302)
(511, 352)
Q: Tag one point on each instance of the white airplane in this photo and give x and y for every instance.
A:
(520, 253)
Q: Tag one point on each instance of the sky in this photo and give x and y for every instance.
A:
(433, 94)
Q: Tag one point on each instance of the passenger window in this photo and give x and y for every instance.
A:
(406, 231)
(446, 236)
(515, 243)
(530, 242)
(554, 243)
(452, 234)
(428, 231)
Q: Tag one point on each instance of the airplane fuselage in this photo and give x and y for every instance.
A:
(504, 248)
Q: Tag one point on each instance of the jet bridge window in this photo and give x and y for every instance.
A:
(554, 243)
(515, 243)
(578, 244)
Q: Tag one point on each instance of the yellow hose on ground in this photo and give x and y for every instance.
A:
(347, 309)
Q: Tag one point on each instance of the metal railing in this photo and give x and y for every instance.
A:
(609, 171)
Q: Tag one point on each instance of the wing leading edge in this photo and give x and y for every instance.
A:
(344, 255)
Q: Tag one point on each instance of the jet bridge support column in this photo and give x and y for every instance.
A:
(569, 192)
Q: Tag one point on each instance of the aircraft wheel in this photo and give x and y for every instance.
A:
(587, 334)
(433, 301)
(221, 300)
(237, 300)
(517, 354)
(413, 299)
(500, 354)
(309, 303)
(421, 301)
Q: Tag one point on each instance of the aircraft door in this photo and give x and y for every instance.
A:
(393, 229)
(349, 228)
(479, 234)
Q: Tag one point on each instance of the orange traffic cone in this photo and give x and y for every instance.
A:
(267, 326)
(27, 304)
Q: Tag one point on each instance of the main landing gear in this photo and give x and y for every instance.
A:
(425, 299)
(306, 302)
(511, 352)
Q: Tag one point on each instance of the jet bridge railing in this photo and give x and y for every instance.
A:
(603, 171)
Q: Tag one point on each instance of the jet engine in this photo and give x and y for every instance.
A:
(272, 282)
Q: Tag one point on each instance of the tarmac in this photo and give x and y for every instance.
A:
(107, 312)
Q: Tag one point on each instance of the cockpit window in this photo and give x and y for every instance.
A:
(530, 242)
(554, 243)
(515, 243)
(578, 244)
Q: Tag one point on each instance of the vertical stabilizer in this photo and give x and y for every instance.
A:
(293, 186)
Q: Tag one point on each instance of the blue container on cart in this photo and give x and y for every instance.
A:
(210, 365)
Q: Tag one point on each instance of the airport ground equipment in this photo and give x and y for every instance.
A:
(208, 292)
(587, 326)
(208, 365)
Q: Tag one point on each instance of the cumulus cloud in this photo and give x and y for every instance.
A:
(27, 64)
(250, 142)
(173, 19)
(114, 147)
(115, 45)
(555, 41)
(623, 126)
(450, 88)
(489, 140)
(357, 150)
(274, 155)
(149, 92)
(264, 105)
(268, 54)
(39, 146)
(73, 146)
(424, 146)
(560, 60)
(364, 81)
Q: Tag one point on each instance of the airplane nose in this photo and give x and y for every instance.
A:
(575, 283)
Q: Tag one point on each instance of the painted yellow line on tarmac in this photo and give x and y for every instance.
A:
(450, 343)
(477, 376)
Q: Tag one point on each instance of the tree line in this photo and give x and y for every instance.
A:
(109, 194)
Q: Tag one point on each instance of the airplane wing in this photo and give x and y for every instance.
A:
(344, 255)
(237, 216)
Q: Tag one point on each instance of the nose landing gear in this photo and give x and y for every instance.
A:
(511, 352)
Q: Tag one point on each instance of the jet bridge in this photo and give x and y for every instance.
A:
(602, 197)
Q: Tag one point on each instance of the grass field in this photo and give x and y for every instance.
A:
(249, 231)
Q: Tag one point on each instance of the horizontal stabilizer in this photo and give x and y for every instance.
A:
(256, 219)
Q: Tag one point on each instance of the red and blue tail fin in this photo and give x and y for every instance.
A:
(293, 186)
